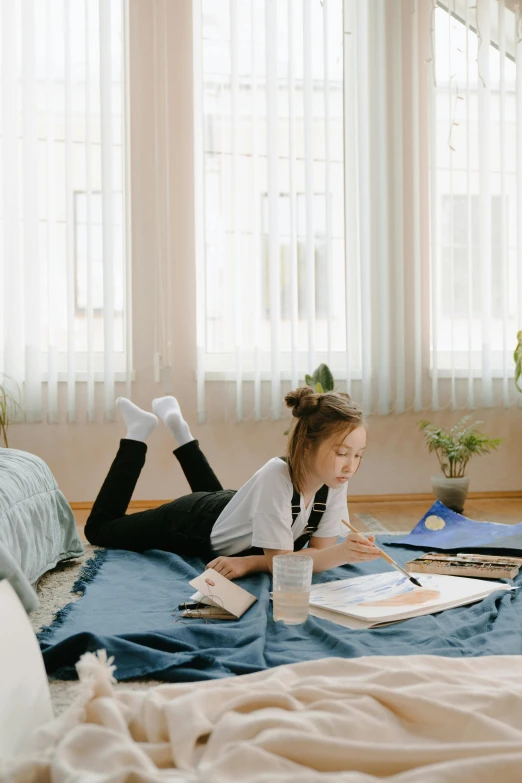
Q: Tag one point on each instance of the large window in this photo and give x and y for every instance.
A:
(477, 277)
(360, 198)
(63, 257)
(272, 107)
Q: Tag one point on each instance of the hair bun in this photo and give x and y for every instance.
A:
(303, 401)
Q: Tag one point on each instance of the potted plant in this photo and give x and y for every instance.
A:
(321, 380)
(454, 449)
(9, 408)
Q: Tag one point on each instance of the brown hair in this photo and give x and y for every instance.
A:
(317, 417)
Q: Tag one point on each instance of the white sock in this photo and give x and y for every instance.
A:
(139, 423)
(168, 410)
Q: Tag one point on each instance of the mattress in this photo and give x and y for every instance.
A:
(37, 526)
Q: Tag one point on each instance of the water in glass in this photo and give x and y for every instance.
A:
(291, 607)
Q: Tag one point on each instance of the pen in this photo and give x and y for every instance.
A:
(387, 557)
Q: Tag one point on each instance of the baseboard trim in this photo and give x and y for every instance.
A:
(412, 498)
(404, 498)
(141, 505)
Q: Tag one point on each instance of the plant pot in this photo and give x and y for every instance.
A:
(451, 491)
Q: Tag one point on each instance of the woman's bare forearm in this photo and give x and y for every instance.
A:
(329, 557)
(257, 564)
(355, 548)
(324, 559)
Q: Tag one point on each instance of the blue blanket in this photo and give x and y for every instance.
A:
(129, 608)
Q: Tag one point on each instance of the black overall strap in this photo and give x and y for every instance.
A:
(295, 505)
(318, 509)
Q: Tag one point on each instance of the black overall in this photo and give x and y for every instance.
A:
(182, 526)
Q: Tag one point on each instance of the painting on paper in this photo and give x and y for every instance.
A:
(392, 596)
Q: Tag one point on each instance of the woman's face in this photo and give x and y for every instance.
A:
(337, 459)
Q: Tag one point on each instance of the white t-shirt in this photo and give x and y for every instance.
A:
(260, 513)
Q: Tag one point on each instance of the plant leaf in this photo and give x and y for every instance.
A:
(517, 357)
(9, 406)
(456, 446)
(324, 376)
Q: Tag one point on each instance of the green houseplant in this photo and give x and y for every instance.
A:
(517, 356)
(321, 380)
(454, 448)
(9, 408)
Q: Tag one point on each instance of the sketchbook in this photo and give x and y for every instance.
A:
(379, 599)
(217, 598)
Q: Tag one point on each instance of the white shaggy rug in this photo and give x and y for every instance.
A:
(54, 592)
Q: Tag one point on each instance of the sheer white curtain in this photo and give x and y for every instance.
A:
(163, 117)
(349, 213)
(476, 169)
(64, 268)
(384, 85)
(387, 264)
(269, 185)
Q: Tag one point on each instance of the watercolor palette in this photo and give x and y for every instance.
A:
(483, 566)
(383, 598)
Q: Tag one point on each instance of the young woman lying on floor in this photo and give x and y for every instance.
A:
(287, 504)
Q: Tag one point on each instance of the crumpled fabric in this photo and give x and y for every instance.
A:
(422, 719)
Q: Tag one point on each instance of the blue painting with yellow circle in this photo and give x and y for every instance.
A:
(446, 530)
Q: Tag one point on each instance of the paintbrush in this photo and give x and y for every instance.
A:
(386, 557)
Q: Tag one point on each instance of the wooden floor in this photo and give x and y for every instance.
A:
(399, 515)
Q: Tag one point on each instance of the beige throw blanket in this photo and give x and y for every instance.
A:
(419, 718)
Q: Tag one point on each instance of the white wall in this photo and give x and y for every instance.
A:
(80, 453)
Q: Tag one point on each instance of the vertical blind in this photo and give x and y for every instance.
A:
(476, 170)
(64, 268)
(358, 177)
(269, 165)
(303, 220)
(163, 116)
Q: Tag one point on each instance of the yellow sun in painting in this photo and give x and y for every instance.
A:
(434, 523)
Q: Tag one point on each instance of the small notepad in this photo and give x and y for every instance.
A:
(220, 598)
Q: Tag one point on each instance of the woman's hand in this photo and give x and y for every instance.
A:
(230, 567)
(359, 548)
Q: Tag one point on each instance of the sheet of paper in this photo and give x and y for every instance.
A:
(223, 593)
(391, 596)
(199, 598)
(341, 619)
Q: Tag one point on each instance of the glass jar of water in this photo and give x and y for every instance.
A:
(292, 576)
